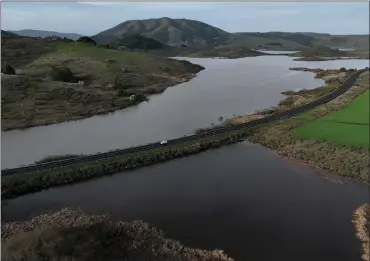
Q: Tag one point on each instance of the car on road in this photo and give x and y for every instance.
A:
(163, 142)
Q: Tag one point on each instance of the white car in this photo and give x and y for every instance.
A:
(163, 142)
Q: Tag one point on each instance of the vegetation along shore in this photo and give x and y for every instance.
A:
(361, 221)
(333, 136)
(55, 237)
(324, 154)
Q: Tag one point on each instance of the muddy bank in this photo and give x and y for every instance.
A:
(361, 220)
(55, 237)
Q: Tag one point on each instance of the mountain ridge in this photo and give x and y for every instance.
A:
(44, 33)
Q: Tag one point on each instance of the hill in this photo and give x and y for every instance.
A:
(7, 34)
(195, 34)
(43, 34)
(136, 41)
(172, 32)
(58, 81)
(321, 51)
(230, 52)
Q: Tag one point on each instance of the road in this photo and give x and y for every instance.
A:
(218, 130)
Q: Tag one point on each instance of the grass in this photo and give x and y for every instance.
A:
(343, 159)
(349, 126)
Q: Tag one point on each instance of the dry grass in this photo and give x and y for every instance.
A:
(361, 220)
(71, 235)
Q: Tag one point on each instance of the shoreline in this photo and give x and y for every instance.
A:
(321, 59)
(324, 155)
(95, 234)
(17, 185)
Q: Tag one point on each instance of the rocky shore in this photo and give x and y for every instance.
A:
(55, 237)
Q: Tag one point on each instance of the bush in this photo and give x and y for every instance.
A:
(85, 39)
(7, 69)
(342, 69)
(62, 74)
(123, 82)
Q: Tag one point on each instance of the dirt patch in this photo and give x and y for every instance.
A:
(55, 237)
(361, 221)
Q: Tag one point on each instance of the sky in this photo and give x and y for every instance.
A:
(90, 18)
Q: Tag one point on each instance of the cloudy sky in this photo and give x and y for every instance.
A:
(90, 18)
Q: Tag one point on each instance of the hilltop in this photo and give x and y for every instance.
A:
(172, 32)
(63, 80)
(43, 34)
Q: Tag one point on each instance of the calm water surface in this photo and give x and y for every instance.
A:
(225, 88)
(239, 198)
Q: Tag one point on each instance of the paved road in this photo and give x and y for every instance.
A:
(219, 130)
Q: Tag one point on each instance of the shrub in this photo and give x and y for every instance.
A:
(63, 74)
(85, 39)
(342, 69)
(7, 69)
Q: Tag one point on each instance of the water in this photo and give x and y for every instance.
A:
(239, 198)
(226, 88)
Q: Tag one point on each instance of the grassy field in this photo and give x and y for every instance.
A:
(349, 126)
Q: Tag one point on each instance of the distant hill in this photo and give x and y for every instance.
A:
(8, 34)
(172, 32)
(177, 32)
(230, 52)
(43, 34)
(321, 51)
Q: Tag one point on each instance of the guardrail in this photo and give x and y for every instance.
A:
(217, 130)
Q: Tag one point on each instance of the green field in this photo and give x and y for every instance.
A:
(349, 126)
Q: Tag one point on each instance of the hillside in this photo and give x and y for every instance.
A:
(7, 34)
(43, 34)
(321, 51)
(58, 81)
(230, 52)
(168, 31)
(195, 34)
(136, 41)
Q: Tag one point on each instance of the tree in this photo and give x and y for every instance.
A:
(7, 69)
(85, 39)
(62, 74)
